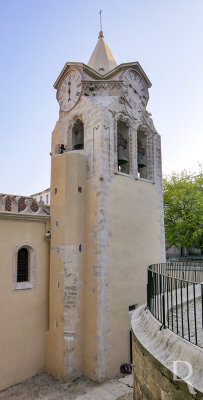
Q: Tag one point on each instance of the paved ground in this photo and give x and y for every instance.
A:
(184, 314)
(46, 387)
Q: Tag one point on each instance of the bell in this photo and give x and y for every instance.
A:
(79, 141)
(141, 160)
(122, 159)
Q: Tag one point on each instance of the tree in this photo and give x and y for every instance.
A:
(183, 209)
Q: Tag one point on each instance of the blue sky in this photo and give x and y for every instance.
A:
(39, 36)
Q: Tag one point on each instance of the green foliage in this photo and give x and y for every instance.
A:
(183, 209)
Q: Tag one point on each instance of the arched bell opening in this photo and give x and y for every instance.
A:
(142, 153)
(123, 147)
(78, 135)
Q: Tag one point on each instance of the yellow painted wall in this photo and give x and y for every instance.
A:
(91, 363)
(66, 328)
(134, 244)
(24, 313)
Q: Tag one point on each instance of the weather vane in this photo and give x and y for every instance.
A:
(100, 12)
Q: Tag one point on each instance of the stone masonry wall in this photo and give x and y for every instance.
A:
(152, 379)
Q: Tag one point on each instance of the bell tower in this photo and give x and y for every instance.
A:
(106, 213)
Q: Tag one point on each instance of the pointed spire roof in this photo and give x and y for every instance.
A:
(102, 59)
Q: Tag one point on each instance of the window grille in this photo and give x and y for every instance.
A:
(22, 265)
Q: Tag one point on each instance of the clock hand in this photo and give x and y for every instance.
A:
(69, 91)
(135, 91)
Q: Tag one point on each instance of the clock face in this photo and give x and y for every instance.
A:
(69, 90)
(135, 89)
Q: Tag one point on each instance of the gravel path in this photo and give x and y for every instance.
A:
(45, 387)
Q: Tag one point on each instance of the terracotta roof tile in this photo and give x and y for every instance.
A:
(21, 203)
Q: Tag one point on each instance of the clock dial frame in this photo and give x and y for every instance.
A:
(69, 90)
(135, 89)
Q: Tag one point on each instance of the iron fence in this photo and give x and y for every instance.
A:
(175, 298)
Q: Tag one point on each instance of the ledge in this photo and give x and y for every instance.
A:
(167, 347)
(145, 180)
(124, 174)
(134, 177)
(22, 216)
(23, 286)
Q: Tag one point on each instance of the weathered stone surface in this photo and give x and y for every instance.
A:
(153, 352)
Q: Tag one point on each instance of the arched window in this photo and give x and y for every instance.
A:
(78, 135)
(23, 265)
(123, 147)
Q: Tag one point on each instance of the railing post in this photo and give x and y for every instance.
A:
(149, 289)
(163, 311)
(170, 300)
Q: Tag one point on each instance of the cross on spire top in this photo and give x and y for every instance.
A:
(100, 12)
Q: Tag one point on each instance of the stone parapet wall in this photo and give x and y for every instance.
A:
(22, 205)
(154, 351)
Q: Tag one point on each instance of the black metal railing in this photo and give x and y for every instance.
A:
(175, 298)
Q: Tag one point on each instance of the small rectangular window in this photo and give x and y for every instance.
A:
(132, 307)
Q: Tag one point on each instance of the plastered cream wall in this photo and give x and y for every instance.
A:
(73, 339)
(24, 313)
(134, 244)
(90, 350)
(66, 315)
(84, 356)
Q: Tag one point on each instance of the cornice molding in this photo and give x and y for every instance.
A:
(81, 66)
(102, 84)
(26, 217)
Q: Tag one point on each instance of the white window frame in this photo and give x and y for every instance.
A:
(31, 283)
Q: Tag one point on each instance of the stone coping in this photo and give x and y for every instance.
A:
(21, 216)
(167, 347)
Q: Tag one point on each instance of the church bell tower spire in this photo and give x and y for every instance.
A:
(102, 59)
(106, 213)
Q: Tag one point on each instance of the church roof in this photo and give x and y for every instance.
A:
(21, 203)
(102, 59)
